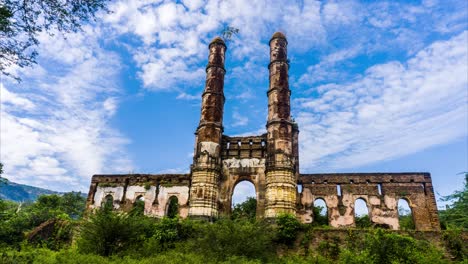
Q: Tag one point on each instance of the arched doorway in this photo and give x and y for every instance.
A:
(172, 208)
(405, 215)
(244, 201)
(138, 206)
(361, 214)
(108, 202)
(320, 213)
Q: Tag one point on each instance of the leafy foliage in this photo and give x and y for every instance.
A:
(320, 217)
(21, 21)
(2, 180)
(18, 218)
(456, 215)
(246, 210)
(363, 221)
(227, 238)
(173, 207)
(288, 227)
(107, 232)
(384, 247)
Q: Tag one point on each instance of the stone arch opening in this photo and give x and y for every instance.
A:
(108, 202)
(139, 206)
(172, 207)
(361, 214)
(244, 200)
(320, 213)
(405, 215)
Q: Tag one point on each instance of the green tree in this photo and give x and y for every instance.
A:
(18, 218)
(287, 228)
(405, 219)
(173, 207)
(246, 210)
(2, 180)
(456, 214)
(227, 238)
(107, 232)
(320, 217)
(21, 21)
(363, 221)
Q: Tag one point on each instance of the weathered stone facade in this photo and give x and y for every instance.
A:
(269, 161)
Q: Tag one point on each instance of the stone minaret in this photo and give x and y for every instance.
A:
(281, 162)
(206, 166)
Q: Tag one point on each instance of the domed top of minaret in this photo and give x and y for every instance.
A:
(217, 40)
(278, 35)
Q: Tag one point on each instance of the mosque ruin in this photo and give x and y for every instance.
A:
(270, 162)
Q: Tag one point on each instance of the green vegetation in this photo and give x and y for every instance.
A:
(245, 210)
(456, 215)
(107, 236)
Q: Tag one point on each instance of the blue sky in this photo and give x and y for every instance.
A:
(376, 86)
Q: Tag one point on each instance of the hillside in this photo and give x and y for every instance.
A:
(21, 192)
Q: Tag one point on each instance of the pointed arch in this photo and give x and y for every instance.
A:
(139, 206)
(108, 202)
(172, 207)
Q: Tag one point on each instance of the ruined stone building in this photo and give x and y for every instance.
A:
(270, 161)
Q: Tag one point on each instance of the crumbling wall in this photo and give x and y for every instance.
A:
(380, 191)
(154, 190)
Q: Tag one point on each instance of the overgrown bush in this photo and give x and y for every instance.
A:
(385, 247)
(107, 232)
(363, 221)
(246, 210)
(287, 228)
(227, 238)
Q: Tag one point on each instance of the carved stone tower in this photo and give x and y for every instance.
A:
(206, 167)
(281, 161)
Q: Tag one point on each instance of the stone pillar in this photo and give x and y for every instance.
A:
(280, 165)
(206, 166)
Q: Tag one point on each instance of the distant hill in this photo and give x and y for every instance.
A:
(20, 192)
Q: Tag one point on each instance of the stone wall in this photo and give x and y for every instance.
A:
(154, 190)
(380, 191)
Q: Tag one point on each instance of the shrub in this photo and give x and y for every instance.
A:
(363, 221)
(246, 210)
(287, 228)
(385, 247)
(107, 232)
(227, 238)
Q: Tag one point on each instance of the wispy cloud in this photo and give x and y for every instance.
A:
(54, 127)
(239, 120)
(393, 110)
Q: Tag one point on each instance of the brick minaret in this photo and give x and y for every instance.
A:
(206, 166)
(280, 164)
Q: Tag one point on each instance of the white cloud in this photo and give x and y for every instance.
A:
(185, 96)
(180, 32)
(393, 110)
(54, 129)
(238, 119)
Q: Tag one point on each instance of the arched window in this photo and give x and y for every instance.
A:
(138, 206)
(108, 202)
(320, 212)
(244, 203)
(172, 209)
(405, 215)
(361, 214)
